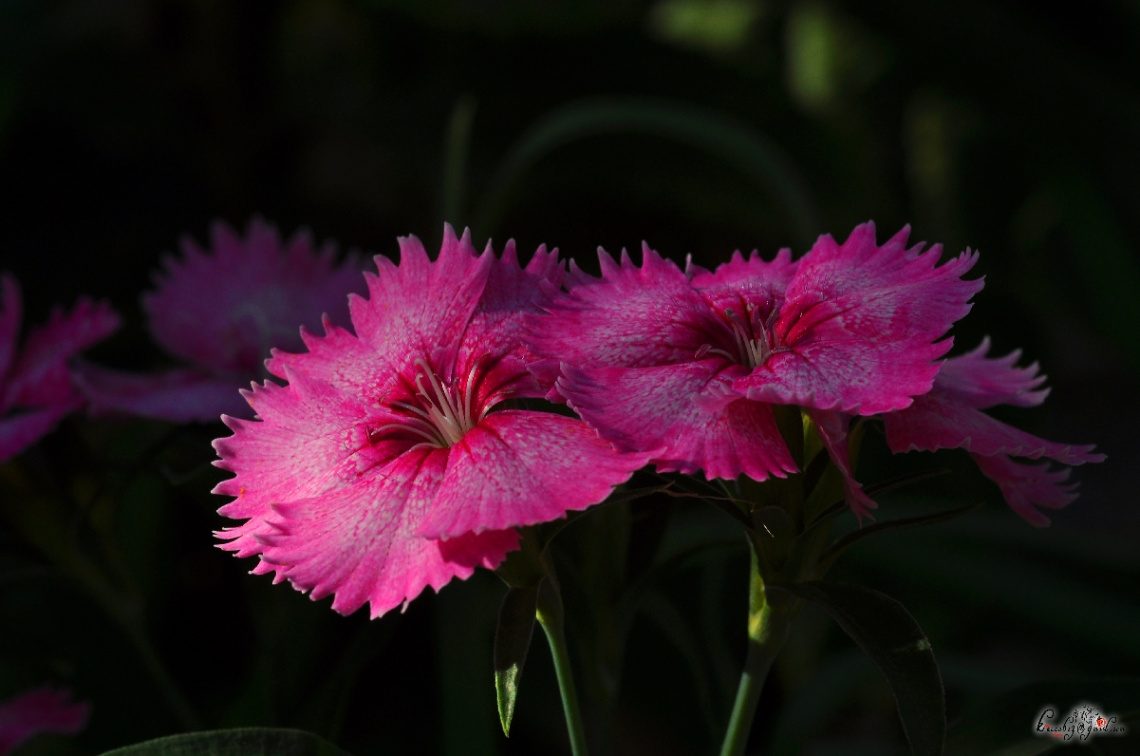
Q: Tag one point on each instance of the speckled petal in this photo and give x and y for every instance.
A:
(519, 468)
(686, 416)
(982, 382)
(858, 329)
(360, 544)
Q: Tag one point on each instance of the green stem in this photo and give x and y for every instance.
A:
(550, 616)
(767, 631)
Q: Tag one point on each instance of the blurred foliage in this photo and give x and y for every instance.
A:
(1012, 127)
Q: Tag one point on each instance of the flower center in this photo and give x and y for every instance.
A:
(443, 414)
(751, 338)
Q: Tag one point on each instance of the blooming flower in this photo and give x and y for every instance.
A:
(36, 389)
(389, 462)
(686, 365)
(44, 709)
(950, 416)
(220, 311)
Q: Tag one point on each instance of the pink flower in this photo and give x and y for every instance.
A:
(44, 709)
(390, 462)
(36, 389)
(950, 417)
(687, 365)
(220, 311)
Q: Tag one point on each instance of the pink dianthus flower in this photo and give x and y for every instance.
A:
(220, 311)
(44, 709)
(686, 365)
(36, 389)
(389, 463)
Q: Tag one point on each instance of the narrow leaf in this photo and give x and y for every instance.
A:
(245, 741)
(889, 635)
(512, 640)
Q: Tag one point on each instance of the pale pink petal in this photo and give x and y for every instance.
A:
(686, 416)
(45, 709)
(858, 329)
(360, 543)
(984, 382)
(11, 308)
(224, 309)
(1028, 486)
(22, 429)
(941, 420)
(181, 395)
(41, 375)
(520, 468)
(832, 427)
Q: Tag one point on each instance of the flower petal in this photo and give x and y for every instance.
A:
(179, 396)
(11, 309)
(19, 431)
(519, 468)
(1028, 486)
(983, 382)
(941, 420)
(361, 544)
(832, 427)
(41, 375)
(44, 709)
(686, 416)
(857, 331)
(224, 309)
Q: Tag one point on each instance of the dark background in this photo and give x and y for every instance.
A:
(1009, 127)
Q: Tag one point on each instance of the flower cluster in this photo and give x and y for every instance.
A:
(395, 458)
(688, 365)
(36, 382)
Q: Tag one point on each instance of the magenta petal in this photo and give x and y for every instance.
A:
(984, 382)
(21, 430)
(519, 468)
(41, 375)
(177, 395)
(685, 416)
(1028, 486)
(832, 427)
(632, 317)
(45, 709)
(360, 543)
(858, 330)
(941, 420)
(421, 306)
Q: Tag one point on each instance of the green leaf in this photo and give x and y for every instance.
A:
(512, 640)
(889, 635)
(245, 741)
(1006, 724)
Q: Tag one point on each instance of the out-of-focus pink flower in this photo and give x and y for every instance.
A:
(687, 365)
(220, 311)
(36, 389)
(44, 709)
(950, 417)
(389, 462)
